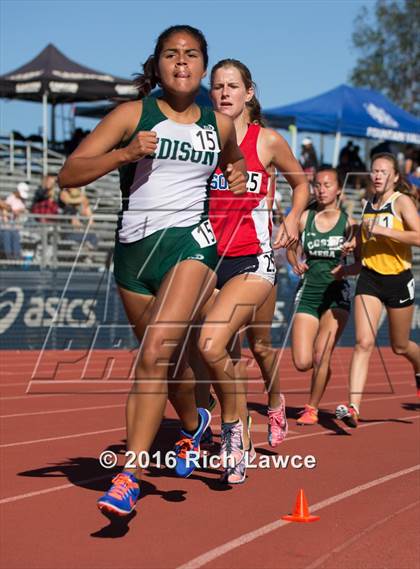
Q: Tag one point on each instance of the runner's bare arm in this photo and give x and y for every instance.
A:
(282, 158)
(353, 245)
(294, 254)
(97, 154)
(271, 188)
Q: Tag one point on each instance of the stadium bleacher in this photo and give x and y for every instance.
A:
(48, 245)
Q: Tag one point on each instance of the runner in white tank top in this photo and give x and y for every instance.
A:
(173, 290)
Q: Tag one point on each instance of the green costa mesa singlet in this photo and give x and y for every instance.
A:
(322, 250)
(171, 187)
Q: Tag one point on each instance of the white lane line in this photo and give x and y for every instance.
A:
(320, 561)
(49, 439)
(294, 392)
(347, 429)
(304, 376)
(123, 404)
(229, 546)
(78, 394)
(76, 483)
(130, 380)
(55, 489)
(73, 436)
(75, 409)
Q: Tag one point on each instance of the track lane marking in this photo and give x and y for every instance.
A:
(245, 538)
(320, 561)
(76, 483)
(61, 437)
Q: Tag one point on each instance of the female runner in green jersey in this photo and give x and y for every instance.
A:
(166, 150)
(323, 295)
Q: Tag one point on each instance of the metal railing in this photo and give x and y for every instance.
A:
(27, 157)
(57, 242)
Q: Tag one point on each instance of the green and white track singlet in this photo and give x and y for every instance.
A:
(171, 187)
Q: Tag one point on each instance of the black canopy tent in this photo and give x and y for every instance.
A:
(53, 78)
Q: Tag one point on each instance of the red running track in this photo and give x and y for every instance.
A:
(365, 485)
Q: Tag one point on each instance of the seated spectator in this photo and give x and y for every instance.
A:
(44, 201)
(16, 200)
(73, 202)
(13, 209)
(308, 158)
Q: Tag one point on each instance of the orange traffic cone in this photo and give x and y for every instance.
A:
(301, 511)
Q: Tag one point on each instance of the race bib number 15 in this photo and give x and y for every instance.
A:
(204, 235)
(205, 140)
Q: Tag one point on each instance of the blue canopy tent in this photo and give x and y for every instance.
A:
(350, 111)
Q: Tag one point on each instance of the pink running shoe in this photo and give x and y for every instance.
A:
(231, 444)
(277, 424)
(237, 474)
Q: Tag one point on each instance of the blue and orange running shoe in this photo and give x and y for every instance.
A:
(187, 449)
(121, 498)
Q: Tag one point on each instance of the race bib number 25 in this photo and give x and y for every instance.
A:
(253, 183)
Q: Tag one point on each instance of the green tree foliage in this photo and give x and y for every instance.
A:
(389, 47)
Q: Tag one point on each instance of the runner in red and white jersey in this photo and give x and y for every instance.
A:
(242, 225)
(246, 273)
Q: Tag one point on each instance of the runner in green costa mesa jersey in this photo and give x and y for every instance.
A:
(323, 296)
(322, 249)
(166, 150)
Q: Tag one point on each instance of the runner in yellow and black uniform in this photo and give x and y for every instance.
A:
(390, 226)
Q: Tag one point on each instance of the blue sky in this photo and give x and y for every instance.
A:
(295, 49)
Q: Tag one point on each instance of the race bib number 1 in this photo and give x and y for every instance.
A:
(385, 220)
(204, 235)
(205, 140)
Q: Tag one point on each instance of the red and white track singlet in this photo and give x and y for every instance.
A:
(242, 224)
